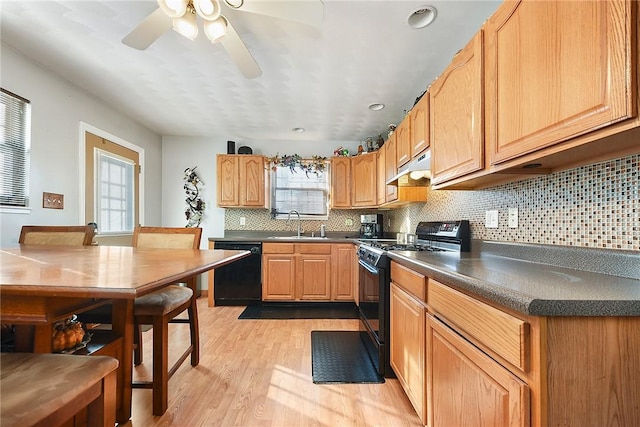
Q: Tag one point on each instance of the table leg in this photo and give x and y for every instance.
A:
(123, 326)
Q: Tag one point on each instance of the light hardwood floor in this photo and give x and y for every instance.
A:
(258, 373)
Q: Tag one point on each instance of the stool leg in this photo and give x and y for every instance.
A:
(137, 343)
(160, 364)
(192, 311)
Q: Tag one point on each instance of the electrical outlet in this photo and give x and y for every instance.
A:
(243, 220)
(52, 201)
(491, 219)
(348, 222)
(513, 217)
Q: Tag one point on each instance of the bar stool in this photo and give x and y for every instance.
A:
(161, 308)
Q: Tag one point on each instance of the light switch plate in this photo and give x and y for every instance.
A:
(52, 201)
(513, 217)
(491, 219)
(243, 220)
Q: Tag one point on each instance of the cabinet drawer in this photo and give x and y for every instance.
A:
(313, 248)
(497, 331)
(409, 280)
(277, 248)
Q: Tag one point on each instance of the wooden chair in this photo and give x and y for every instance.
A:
(75, 235)
(51, 389)
(161, 308)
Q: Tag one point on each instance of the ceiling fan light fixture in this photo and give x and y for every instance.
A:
(235, 4)
(207, 9)
(217, 29)
(187, 25)
(173, 8)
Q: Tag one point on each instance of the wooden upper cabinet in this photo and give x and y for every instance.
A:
(420, 126)
(391, 167)
(456, 115)
(227, 180)
(241, 181)
(341, 182)
(556, 70)
(403, 141)
(364, 182)
(252, 181)
(381, 176)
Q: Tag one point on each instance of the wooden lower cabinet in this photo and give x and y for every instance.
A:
(278, 277)
(308, 272)
(408, 347)
(344, 272)
(467, 387)
(314, 277)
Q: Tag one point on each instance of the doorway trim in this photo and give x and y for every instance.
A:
(85, 127)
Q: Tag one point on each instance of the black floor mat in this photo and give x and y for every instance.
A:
(325, 310)
(341, 357)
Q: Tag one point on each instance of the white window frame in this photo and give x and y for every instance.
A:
(26, 166)
(128, 199)
(303, 215)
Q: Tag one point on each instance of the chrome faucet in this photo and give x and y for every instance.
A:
(299, 224)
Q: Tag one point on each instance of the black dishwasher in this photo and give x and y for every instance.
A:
(240, 282)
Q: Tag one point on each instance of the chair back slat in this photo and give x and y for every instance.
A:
(74, 235)
(167, 237)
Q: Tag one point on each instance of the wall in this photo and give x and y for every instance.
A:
(57, 108)
(591, 206)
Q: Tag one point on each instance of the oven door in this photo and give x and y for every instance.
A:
(374, 314)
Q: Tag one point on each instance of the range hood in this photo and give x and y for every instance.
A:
(417, 170)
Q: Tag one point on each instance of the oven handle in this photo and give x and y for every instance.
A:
(367, 267)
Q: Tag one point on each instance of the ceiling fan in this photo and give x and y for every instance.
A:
(182, 16)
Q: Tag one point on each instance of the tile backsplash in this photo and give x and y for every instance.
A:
(590, 206)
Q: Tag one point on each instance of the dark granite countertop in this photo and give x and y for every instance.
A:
(541, 280)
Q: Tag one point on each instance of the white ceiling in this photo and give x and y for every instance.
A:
(321, 79)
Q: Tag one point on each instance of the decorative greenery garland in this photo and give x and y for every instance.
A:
(316, 165)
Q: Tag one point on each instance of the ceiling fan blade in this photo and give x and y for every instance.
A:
(149, 30)
(308, 12)
(239, 53)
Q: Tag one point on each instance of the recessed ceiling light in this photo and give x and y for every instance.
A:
(298, 130)
(376, 107)
(422, 16)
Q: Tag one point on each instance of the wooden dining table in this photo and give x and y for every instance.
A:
(40, 285)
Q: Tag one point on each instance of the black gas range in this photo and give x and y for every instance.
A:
(374, 280)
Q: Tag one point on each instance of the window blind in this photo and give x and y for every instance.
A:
(297, 190)
(15, 129)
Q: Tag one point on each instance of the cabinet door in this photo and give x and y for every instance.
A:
(391, 167)
(227, 180)
(456, 119)
(252, 172)
(363, 180)
(341, 182)
(468, 388)
(278, 277)
(420, 126)
(381, 177)
(344, 272)
(408, 347)
(556, 70)
(314, 277)
(403, 141)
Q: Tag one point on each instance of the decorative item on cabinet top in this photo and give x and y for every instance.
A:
(315, 165)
